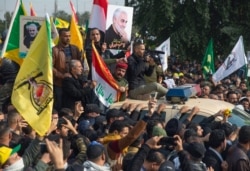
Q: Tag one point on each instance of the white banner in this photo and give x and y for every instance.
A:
(234, 61)
(165, 47)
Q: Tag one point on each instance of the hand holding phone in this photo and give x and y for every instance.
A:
(153, 95)
(167, 141)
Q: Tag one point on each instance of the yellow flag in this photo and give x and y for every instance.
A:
(61, 23)
(77, 40)
(76, 37)
(33, 90)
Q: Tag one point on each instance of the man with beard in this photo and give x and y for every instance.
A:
(119, 74)
(62, 53)
(75, 88)
(232, 97)
(137, 69)
(116, 34)
(31, 32)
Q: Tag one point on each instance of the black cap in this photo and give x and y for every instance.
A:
(94, 150)
(112, 113)
(92, 108)
(228, 128)
(173, 127)
(167, 166)
(196, 150)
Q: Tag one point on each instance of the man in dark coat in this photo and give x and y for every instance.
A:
(74, 88)
(137, 68)
(213, 157)
(237, 155)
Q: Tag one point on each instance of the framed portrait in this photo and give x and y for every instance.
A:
(29, 28)
(118, 26)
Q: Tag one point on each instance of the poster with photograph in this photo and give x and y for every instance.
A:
(118, 26)
(29, 27)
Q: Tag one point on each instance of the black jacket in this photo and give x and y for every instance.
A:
(212, 160)
(8, 71)
(189, 165)
(73, 91)
(137, 68)
(237, 158)
(137, 162)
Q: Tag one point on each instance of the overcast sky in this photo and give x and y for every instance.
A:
(43, 6)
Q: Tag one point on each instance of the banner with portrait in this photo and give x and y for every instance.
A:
(29, 28)
(118, 27)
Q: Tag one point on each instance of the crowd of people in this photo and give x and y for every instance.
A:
(85, 136)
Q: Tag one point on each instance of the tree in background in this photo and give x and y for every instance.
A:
(191, 23)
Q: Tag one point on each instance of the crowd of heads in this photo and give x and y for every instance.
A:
(90, 132)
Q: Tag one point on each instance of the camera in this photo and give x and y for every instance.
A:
(167, 141)
(155, 54)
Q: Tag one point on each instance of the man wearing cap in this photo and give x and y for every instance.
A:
(137, 68)
(118, 75)
(10, 160)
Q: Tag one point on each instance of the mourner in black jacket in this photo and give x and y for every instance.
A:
(74, 88)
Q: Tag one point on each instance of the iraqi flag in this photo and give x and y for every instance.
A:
(106, 88)
(235, 60)
(98, 15)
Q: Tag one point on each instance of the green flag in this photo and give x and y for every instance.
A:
(11, 45)
(208, 60)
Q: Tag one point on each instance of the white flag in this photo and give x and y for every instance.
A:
(165, 47)
(235, 60)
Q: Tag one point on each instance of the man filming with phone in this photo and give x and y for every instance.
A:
(137, 69)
